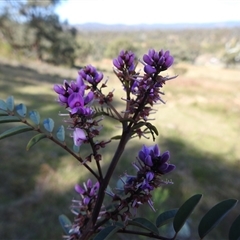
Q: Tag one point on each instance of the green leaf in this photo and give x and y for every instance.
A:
(21, 110)
(10, 103)
(34, 116)
(65, 223)
(116, 137)
(106, 233)
(48, 124)
(144, 223)
(166, 217)
(139, 125)
(3, 105)
(152, 128)
(15, 130)
(212, 218)
(184, 212)
(3, 113)
(61, 133)
(35, 140)
(234, 231)
(8, 119)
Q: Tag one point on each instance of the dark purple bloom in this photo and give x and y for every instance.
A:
(151, 157)
(73, 96)
(124, 61)
(88, 189)
(146, 185)
(91, 75)
(157, 61)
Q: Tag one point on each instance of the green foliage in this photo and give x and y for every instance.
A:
(35, 140)
(234, 232)
(144, 223)
(39, 32)
(166, 217)
(212, 218)
(65, 223)
(106, 233)
(184, 212)
(15, 130)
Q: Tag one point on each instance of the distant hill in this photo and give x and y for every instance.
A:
(122, 27)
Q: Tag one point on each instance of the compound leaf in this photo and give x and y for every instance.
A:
(15, 130)
(35, 140)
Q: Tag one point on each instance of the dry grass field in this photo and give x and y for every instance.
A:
(199, 125)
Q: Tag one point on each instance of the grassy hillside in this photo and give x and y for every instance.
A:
(199, 125)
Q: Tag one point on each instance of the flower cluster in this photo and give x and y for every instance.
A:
(91, 75)
(125, 61)
(151, 166)
(155, 62)
(145, 90)
(72, 95)
(142, 92)
(83, 208)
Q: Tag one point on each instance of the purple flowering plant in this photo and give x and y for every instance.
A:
(86, 104)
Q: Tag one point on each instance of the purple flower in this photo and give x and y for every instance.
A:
(73, 96)
(146, 185)
(91, 75)
(124, 61)
(88, 193)
(157, 61)
(151, 157)
(79, 137)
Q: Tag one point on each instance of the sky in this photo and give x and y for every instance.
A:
(132, 12)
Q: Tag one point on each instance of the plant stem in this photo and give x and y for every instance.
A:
(104, 183)
(63, 145)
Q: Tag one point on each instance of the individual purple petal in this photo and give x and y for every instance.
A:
(168, 61)
(160, 61)
(147, 59)
(170, 168)
(59, 89)
(62, 99)
(89, 183)
(79, 189)
(165, 157)
(149, 176)
(141, 155)
(149, 70)
(116, 63)
(86, 200)
(89, 98)
(79, 137)
(156, 150)
(82, 74)
(162, 168)
(151, 53)
(99, 77)
(155, 57)
(167, 54)
(148, 161)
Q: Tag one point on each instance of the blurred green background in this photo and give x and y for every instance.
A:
(199, 124)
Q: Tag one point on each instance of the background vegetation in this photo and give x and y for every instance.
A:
(199, 125)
